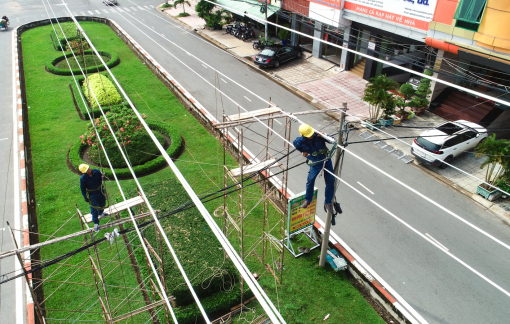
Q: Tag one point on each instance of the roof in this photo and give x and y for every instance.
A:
(250, 7)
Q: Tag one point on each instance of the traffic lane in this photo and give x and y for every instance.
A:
(8, 305)
(225, 63)
(475, 256)
(470, 245)
(420, 272)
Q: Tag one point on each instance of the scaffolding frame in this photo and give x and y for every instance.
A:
(110, 307)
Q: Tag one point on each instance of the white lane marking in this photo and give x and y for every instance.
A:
(134, 9)
(82, 13)
(276, 120)
(151, 6)
(90, 12)
(247, 98)
(113, 10)
(74, 13)
(105, 11)
(425, 237)
(147, 7)
(120, 9)
(204, 66)
(99, 12)
(438, 243)
(126, 9)
(223, 80)
(3, 139)
(365, 188)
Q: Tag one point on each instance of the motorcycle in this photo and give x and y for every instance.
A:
(235, 28)
(239, 32)
(249, 33)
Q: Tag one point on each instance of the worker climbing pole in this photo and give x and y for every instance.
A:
(312, 145)
(91, 185)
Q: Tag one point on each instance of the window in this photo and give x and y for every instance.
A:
(469, 14)
(452, 142)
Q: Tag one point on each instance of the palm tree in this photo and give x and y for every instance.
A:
(377, 95)
(178, 2)
(497, 152)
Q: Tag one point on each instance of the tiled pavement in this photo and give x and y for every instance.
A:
(334, 90)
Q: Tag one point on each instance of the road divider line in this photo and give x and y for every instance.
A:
(366, 188)
(204, 66)
(438, 243)
(247, 98)
(224, 81)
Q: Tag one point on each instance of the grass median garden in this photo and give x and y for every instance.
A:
(308, 293)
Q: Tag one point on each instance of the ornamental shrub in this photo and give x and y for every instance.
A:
(104, 90)
(112, 61)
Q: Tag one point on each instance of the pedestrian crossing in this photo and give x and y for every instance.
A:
(116, 9)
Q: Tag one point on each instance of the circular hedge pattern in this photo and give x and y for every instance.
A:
(141, 150)
(76, 152)
(114, 60)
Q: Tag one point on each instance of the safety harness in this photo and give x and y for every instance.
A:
(325, 151)
(104, 193)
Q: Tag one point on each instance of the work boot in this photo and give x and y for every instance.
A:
(328, 208)
(96, 228)
(102, 215)
(305, 204)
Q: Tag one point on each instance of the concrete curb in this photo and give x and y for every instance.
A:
(393, 303)
(23, 183)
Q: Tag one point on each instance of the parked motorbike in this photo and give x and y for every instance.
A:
(258, 45)
(228, 29)
(235, 28)
(239, 32)
(249, 33)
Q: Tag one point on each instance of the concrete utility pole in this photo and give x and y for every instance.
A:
(327, 228)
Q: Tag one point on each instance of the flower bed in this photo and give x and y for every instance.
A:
(77, 150)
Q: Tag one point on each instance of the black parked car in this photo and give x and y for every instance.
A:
(275, 54)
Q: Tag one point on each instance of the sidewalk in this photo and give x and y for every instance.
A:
(322, 83)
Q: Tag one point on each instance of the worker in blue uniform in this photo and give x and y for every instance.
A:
(91, 183)
(313, 146)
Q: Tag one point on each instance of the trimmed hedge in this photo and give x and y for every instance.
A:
(76, 152)
(94, 112)
(50, 67)
(101, 88)
(199, 252)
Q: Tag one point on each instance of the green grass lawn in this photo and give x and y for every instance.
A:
(307, 294)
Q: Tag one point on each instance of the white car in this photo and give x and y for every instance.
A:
(447, 140)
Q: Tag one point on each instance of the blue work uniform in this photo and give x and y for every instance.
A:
(93, 186)
(314, 144)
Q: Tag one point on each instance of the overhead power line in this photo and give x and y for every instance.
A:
(162, 288)
(251, 281)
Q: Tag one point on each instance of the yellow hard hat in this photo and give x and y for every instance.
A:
(306, 130)
(83, 168)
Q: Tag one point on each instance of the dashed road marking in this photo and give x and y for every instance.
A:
(437, 242)
(247, 98)
(204, 65)
(365, 188)
(223, 80)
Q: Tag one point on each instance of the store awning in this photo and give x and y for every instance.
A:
(247, 8)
